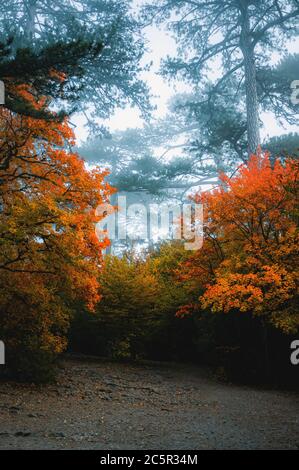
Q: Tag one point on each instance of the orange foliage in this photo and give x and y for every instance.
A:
(251, 243)
(50, 255)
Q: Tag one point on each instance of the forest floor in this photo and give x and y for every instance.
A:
(102, 405)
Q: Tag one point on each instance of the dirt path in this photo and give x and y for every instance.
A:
(97, 405)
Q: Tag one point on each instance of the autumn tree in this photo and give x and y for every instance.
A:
(103, 81)
(127, 313)
(43, 69)
(136, 317)
(50, 255)
(248, 261)
(253, 220)
(246, 273)
(62, 58)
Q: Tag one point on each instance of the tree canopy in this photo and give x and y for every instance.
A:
(237, 37)
(102, 38)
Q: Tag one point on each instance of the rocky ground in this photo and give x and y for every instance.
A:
(100, 405)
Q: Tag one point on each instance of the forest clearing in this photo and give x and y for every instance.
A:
(149, 241)
(101, 405)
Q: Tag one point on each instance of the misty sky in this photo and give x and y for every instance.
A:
(160, 44)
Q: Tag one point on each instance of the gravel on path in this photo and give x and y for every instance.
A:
(102, 405)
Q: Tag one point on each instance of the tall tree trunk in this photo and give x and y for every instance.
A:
(252, 107)
(30, 7)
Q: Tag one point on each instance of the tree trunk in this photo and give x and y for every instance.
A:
(267, 358)
(252, 107)
(30, 21)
